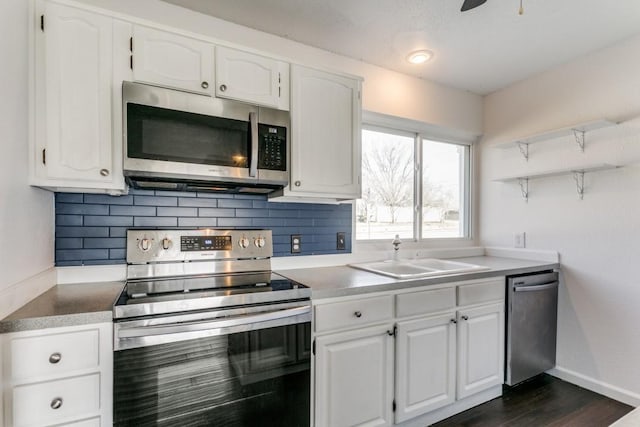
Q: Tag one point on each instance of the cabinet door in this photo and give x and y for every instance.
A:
(167, 59)
(425, 365)
(354, 378)
(74, 72)
(480, 348)
(325, 134)
(252, 78)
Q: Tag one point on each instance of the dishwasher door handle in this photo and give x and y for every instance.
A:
(535, 288)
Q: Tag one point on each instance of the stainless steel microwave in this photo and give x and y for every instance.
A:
(183, 141)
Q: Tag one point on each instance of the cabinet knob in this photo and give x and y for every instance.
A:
(204, 85)
(297, 183)
(104, 172)
(358, 314)
(223, 88)
(465, 317)
(55, 358)
(56, 403)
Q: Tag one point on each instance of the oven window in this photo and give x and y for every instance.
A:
(255, 378)
(161, 134)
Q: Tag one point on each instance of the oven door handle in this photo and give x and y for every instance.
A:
(141, 336)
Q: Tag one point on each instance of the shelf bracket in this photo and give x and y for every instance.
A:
(579, 136)
(524, 150)
(578, 177)
(524, 188)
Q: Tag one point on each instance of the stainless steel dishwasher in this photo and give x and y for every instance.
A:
(532, 318)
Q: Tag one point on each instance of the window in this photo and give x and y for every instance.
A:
(412, 186)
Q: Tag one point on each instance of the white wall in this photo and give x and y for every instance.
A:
(26, 213)
(384, 91)
(598, 238)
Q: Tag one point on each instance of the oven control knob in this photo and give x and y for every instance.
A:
(244, 242)
(166, 243)
(145, 244)
(259, 242)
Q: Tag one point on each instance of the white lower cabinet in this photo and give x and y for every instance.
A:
(354, 378)
(58, 376)
(448, 346)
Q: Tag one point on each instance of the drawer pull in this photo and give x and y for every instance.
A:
(358, 314)
(465, 317)
(55, 358)
(56, 403)
(454, 321)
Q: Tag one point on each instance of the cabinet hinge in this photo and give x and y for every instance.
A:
(359, 95)
(130, 44)
(313, 347)
(44, 156)
(279, 92)
(393, 405)
(42, 23)
(131, 61)
(279, 81)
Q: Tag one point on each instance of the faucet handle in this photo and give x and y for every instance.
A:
(396, 242)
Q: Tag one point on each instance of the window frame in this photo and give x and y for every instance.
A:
(424, 132)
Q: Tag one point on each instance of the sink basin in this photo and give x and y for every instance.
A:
(417, 268)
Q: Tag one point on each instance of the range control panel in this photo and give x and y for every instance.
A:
(149, 246)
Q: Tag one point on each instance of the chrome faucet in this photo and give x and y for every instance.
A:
(396, 246)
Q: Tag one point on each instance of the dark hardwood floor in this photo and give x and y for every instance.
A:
(542, 401)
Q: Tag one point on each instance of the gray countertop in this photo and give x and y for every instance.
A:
(339, 281)
(65, 305)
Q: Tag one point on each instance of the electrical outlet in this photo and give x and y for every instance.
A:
(341, 241)
(296, 243)
(519, 240)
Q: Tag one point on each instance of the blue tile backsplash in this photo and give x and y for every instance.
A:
(91, 229)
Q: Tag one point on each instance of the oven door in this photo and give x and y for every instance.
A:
(240, 367)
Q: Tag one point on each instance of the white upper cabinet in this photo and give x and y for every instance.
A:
(170, 60)
(325, 135)
(71, 146)
(252, 78)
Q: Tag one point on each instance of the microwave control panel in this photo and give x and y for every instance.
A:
(272, 147)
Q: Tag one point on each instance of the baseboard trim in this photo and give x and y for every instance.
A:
(597, 386)
(18, 294)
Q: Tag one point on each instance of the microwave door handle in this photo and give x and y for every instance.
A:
(253, 165)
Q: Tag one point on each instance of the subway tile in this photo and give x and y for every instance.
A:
(166, 193)
(139, 192)
(133, 210)
(283, 206)
(198, 202)
(69, 243)
(105, 199)
(251, 213)
(117, 254)
(81, 209)
(104, 243)
(288, 213)
(331, 222)
(260, 204)
(69, 198)
(216, 212)
(197, 222)
(121, 221)
(155, 201)
(81, 254)
(68, 263)
(82, 231)
(178, 212)
(250, 196)
(103, 262)
(117, 231)
(234, 203)
(69, 220)
(206, 195)
(234, 222)
(267, 222)
(143, 221)
(298, 222)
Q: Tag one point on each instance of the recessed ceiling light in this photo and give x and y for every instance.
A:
(419, 56)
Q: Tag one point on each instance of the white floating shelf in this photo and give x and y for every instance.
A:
(578, 176)
(578, 131)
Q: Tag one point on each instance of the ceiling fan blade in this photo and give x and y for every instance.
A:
(470, 4)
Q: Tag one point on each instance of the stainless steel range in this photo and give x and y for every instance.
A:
(205, 334)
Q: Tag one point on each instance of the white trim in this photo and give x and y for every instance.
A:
(18, 294)
(92, 273)
(597, 386)
(528, 254)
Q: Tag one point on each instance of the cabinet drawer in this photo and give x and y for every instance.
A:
(424, 302)
(481, 291)
(34, 404)
(33, 357)
(91, 422)
(353, 313)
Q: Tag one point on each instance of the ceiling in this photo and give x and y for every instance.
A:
(481, 50)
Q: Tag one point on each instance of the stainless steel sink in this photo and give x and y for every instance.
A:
(417, 268)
